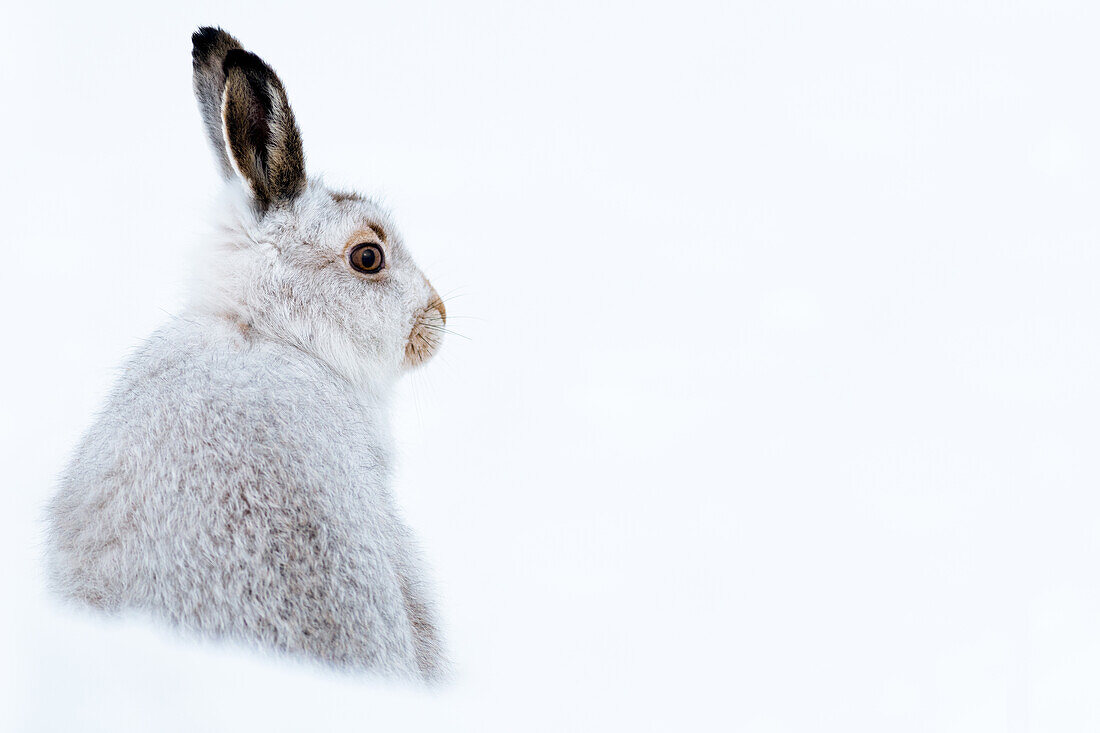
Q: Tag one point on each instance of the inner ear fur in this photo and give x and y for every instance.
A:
(261, 136)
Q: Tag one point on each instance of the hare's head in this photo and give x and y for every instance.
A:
(323, 270)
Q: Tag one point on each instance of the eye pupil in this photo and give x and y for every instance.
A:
(366, 258)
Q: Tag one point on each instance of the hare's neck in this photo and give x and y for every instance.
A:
(238, 330)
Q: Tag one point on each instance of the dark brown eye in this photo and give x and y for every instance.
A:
(367, 258)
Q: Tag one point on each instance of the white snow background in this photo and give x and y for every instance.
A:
(779, 408)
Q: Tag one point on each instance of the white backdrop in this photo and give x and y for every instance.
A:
(778, 409)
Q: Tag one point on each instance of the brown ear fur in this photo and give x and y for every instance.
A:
(260, 132)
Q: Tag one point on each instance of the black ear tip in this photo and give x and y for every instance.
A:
(206, 40)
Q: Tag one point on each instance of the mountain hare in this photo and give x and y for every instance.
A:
(237, 481)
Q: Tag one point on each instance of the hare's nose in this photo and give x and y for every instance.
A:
(434, 301)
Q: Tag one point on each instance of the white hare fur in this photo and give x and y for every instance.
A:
(237, 481)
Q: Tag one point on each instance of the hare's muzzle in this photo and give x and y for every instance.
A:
(427, 331)
(436, 303)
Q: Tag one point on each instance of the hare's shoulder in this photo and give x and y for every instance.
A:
(191, 390)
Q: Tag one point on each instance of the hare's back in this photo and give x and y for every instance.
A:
(229, 484)
(199, 406)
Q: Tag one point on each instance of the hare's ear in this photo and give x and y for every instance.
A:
(260, 132)
(256, 132)
(209, 47)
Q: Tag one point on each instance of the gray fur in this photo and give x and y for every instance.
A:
(237, 480)
(209, 48)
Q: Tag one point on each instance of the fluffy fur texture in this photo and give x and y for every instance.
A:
(237, 480)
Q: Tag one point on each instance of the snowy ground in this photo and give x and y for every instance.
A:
(778, 410)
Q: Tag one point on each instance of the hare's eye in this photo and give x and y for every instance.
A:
(367, 258)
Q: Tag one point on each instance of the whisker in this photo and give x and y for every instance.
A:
(441, 329)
